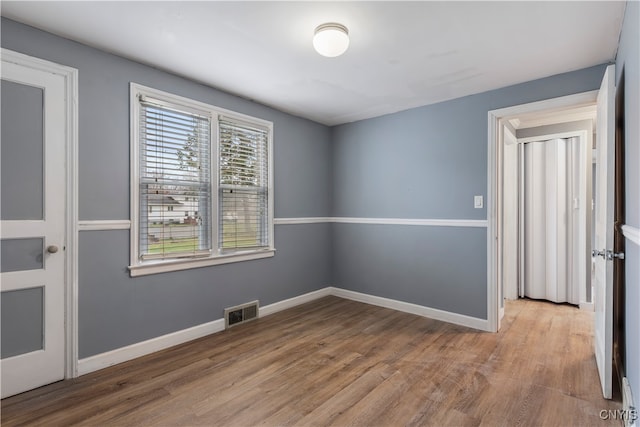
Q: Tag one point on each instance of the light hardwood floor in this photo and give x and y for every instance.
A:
(339, 362)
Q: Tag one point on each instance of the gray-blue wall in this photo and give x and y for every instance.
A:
(116, 310)
(427, 163)
(629, 59)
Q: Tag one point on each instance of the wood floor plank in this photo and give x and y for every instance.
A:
(340, 362)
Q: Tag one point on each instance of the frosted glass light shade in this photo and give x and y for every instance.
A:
(331, 39)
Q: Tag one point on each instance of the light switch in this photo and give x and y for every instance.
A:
(477, 202)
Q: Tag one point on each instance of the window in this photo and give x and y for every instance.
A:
(201, 184)
(243, 193)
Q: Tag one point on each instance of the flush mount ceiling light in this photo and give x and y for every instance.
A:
(331, 39)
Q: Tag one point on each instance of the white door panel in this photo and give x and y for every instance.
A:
(32, 228)
(603, 279)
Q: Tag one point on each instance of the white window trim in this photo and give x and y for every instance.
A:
(139, 267)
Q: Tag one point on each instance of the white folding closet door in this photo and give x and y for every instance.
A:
(548, 182)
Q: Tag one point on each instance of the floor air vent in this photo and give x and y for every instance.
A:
(240, 314)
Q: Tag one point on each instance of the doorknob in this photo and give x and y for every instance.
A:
(595, 253)
(52, 249)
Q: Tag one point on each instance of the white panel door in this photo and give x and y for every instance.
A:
(603, 280)
(33, 150)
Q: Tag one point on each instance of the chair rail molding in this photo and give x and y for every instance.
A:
(104, 224)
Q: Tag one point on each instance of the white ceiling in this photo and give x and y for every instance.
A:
(402, 54)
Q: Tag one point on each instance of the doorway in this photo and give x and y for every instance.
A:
(546, 210)
(509, 129)
(604, 258)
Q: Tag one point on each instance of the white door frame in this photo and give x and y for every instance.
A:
(70, 76)
(494, 187)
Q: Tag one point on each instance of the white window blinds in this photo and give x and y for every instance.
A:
(243, 188)
(175, 181)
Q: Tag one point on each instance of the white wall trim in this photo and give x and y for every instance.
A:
(125, 224)
(410, 221)
(117, 224)
(587, 306)
(631, 233)
(179, 264)
(563, 102)
(307, 220)
(71, 333)
(124, 354)
(292, 302)
(420, 310)
(481, 223)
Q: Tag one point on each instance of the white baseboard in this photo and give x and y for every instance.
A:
(588, 306)
(292, 302)
(420, 310)
(124, 354)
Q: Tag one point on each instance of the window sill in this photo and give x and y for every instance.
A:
(164, 266)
